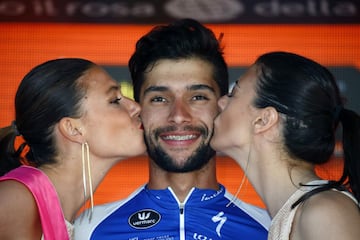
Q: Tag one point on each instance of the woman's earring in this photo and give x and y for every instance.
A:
(86, 174)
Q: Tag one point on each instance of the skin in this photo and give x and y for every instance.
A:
(109, 121)
(255, 141)
(116, 114)
(236, 116)
(179, 100)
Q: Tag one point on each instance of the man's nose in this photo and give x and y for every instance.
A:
(180, 112)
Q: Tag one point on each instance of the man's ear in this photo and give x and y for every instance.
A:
(268, 117)
(70, 129)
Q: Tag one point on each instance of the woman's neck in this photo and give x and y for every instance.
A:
(275, 180)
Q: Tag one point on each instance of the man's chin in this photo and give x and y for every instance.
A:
(180, 160)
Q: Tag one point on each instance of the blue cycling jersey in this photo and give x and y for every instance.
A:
(158, 215)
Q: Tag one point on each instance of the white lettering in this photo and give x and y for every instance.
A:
(72, 8)
(95, 9)
(143, 222)
(205, 197)
(324, 8)
(345, 9)
(120, 10)
(200, 237)
(293, 10)
(217, 11)
(12, 8)
(267, 9)
(38, 8)
(143, 10)
(315, 8)
(50, 8)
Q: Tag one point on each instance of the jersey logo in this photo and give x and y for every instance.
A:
(221, 219)
(143, 219)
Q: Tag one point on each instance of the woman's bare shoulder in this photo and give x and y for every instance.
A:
(19, 213)
(327, 215)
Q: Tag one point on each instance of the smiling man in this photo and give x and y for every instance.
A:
(179, 73)
(178, 114)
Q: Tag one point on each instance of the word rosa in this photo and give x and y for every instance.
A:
(96, 9)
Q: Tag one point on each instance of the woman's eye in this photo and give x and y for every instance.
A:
(231, 94)
(115, 101)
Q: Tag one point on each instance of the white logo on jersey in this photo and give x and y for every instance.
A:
(200, 237)
(142, 215)
(143, 219)
(219, 218)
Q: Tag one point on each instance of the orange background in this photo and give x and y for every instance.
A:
(24, 45)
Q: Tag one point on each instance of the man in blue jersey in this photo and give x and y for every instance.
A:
(178, 73)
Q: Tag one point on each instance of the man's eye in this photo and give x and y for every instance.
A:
(115, 101)
(158, 99)
(199, 97)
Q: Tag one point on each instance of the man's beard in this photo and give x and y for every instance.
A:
(199, 158)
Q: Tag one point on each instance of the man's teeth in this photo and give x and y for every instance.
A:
(179, 138)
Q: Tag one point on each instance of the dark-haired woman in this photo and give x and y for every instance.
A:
(278, 123)
(75, 125)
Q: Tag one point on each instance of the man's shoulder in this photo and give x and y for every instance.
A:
(257, 213)
(87, 222)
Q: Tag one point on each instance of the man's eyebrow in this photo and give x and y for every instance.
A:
(190, 88)
(201, 87)
(155, 89)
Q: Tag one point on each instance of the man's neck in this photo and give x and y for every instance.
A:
(182, 183)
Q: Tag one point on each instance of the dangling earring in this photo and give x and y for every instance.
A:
(242, 180)
(87, 178)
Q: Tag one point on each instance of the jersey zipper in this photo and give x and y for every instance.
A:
(181, 212)
(182, 221)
